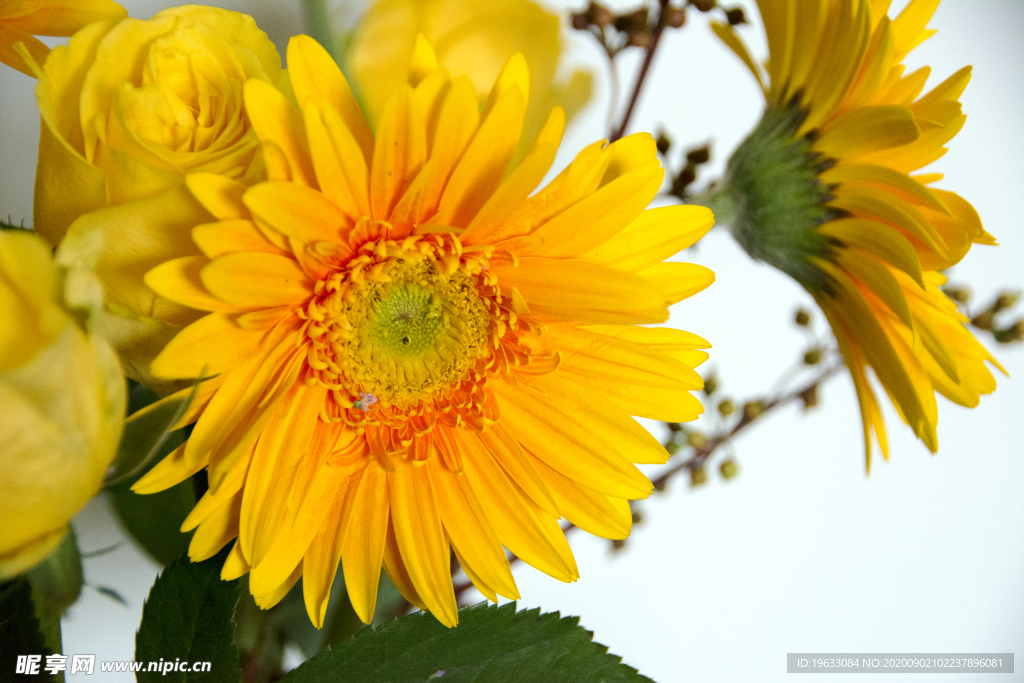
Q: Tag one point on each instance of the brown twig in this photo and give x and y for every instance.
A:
(701, 455)
(659, 28)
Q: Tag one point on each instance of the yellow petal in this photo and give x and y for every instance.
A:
(227, 236)
(216, 531)
(678, 281)
(522, 527)
(652, 237)
(882, 240)
(893, 181)
(732, 41)
(865, 202)
(219, 195)
(597, 456)
(878, 279)
(506, 451)
(320, 565)
(421, 540)
(235, 564)
(293, 537)
(514, 75)
(268, 600)
(957, 232)
(297, 211)
(423, 62)
(612, 360)
(257, 279)
(64, 17)
(340, 167)
(890, 356)
(457, 122)
(203, 393)
(467, 527)
(656, 403)
(275, 119)
(317, 80)
(232, 412)
(365, 535)
(67, 186)
(173, 469)
(178, 280)
(399, 153)
(605, 213)
(579, 179)
(871, 416)
(485, 226)
(209, 346)
(591, 511)
(910, 25)
(576, 290)
(283, 441)
(482, 167)
(849, 30)
(148, 232)
(11, 34)
(213, 500)
(395, 567)
(866, 130)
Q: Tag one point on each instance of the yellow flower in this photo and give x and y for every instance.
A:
(20, 20)
(824, 189)
(128, 108)
(411, 352)
(62, 398)
(472, 38)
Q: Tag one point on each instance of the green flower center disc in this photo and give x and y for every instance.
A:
(407, 322)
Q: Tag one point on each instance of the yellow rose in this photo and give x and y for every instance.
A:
(128, 108)
(20, 20)
(62, 396)
(472, 38)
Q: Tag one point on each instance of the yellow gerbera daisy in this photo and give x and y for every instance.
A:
(822, 189)
(412, 352)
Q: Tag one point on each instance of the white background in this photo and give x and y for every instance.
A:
(801, 552)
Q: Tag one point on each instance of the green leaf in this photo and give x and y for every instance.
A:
(8, 225)
(145, 434)
(154, 520)
(188, 616)
(490, 645)
(56, 584)
(290, 619)
(112, 594)
(58, 578)
(19, 631)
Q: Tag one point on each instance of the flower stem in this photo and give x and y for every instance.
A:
(659, 28)
(720, 200)
(701, 454)
(318, 23)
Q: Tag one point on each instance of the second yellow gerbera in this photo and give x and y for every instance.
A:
(413, 353)
(822, 190)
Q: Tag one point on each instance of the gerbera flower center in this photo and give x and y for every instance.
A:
(402, 322)
(406, 320)
(416, 333)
